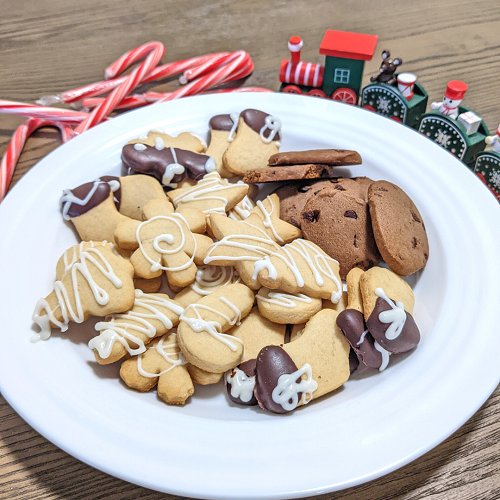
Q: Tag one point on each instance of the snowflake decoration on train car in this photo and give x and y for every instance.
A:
(495, 179)
(384, 105)
(442, 138)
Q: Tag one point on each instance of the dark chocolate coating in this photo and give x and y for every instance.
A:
(407, 339)
(272, 362)
(248, 368)
(117, 195)
(221, 122)
(152, 161)
(100, 195)
(352, 324)
(256, 119)
(353, 361)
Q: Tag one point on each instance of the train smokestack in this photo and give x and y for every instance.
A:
(295, 44)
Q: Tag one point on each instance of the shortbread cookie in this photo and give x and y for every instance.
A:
(163, 365)
(284, 308)
(398, 228)
(222, 133)
(99, 283)
(167, 164)
(340, 224)
(388, 307)
(255, 141)
(152, 315)
(354, 297)
(131, 193)
(311, 366)
(208, 279)
(279, 230)
(210, 195)
(185, 140)
(322, 156)
(152, 285)
(165, 241)
(297, 267)
(202, 377)
(202, 325)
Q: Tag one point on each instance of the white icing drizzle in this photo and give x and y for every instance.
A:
(284, 299)
(243, 207)
(159, 143)
(209, 278)
(78, 249)
(206, 189)
(161, 349)
(385, 356)
(172, 169)
(268, 222)
(274, 125)
(114, 185)
(235, 118)
(241, 385)
(67, 312)
(286, 392)
(396, 316)
(68, 198)
(198, 324)
(140, 147)
(362, 338)
(122, 331)
(158, 131)
(319, 266)
(168, 238)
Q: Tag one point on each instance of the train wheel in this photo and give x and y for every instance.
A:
(345, 95)
(369, 108)
(292, 89)
(316, 93)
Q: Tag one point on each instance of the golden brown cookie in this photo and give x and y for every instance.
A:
(222, 133)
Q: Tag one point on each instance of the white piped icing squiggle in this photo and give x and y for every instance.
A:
(123, 328)
(284, 299)
(94, 256)
(286, 392)
(241, 385)
(396, 316)
(214, 328)
(213, 277)
(274, 125)
(267, 220)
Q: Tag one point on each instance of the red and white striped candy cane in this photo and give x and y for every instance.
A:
(16, 145)
(100, 88)
(202, 69)
(130, 102)
(239, 64)
(155, 51)
(43, 112)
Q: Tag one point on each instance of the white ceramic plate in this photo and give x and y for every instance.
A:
(210, 448)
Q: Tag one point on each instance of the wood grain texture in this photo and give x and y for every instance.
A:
(51, 46)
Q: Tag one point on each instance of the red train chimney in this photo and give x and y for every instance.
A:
(295, 44)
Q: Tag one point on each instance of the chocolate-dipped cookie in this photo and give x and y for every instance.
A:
(240, 383)
(222, 132)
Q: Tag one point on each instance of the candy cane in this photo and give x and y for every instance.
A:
(155, 51)
(202, 69)
(17, 143)
(42, 112)
(100, 88)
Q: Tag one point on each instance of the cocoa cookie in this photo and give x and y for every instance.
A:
(340, 225)
(320, 156)
(290, 173)
(398, 228)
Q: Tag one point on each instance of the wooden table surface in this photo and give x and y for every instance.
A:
(51, 46)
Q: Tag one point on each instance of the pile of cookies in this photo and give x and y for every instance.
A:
(197, 279)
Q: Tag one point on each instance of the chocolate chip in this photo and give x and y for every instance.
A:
(339, 188)
(355, 242)
(414, 242)
(294, 223)
(426, 257)
(311, 216)
(415, 217)
(334, 181)
(325, 173)
(383, 189)
(304, 189)
(351, 214)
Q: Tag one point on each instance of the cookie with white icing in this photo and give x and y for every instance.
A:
(222, 133)
(203, 325)
(311, 366)
(165, 242)
(152, 315)
(163, 365)
(97, 284)
(284, 308)
(189, 141)
(256, 139)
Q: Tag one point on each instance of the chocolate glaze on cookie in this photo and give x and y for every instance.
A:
(116, 187)
(248, 369)
(256, 120)
(408, 338)
(74, 200)
(352, 324)
(353, 361)
(272, 362)
(168, 165)
(221, 122)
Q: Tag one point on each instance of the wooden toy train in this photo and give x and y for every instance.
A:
(396, 96)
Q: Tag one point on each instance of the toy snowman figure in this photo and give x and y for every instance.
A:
(494, 140)
(453, 96)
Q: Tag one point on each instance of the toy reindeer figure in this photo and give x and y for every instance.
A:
(453, 96)
(387, 69)
(494, 141)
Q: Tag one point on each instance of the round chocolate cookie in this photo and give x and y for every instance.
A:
(340, 224)
(294, 196)
(398, 228)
